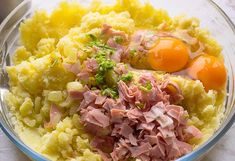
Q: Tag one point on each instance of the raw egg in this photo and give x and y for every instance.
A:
(209, 70)
(168, 54)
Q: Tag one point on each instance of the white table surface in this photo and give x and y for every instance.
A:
(223, 151)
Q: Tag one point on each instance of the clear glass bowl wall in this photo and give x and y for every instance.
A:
(211, 16)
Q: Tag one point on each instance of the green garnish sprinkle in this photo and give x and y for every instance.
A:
(127, 77)
(102, 46)
(118, 39)
(105, 66)
(146, 88)
(111, 92)
(92, 37)
(133, 51)
(140, 105)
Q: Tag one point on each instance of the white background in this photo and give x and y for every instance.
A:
(223, 151)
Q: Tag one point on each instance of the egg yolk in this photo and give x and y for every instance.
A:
(168, 54)
(209, 70)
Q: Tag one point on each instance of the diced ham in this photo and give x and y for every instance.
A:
(109, 32)
(152, 139)
(105, 144)
(119, 105)
(113, 104)
(149, 40)
(89, 97)
(128, 93)
(166, 132)
(156, 131)
(144, 39)
(126, 130)
(74, 68)
(153, 114)
(116, 129)
(121, 68)
(55, 116)
(77, 95)
(147, 78)
(176, 112)
(125, 93)
(192, 132)
(91, 65)
(141, 41)
(125, 143)
(100, 100)
(155, 140)
(183, 147)
(173, 151)
(137, 39)
(153, 97)
(83, 76)
(111, 42)
(98, 118)
(132, 139)
(154, 159)
(116, 56)
(109, 104)
(156, 153)
(173, 90)
(138, 150)
(119, 153)
(117, 114)
(164, 121)
(96, 130)
(134, 114)
(144, 157)
(146, 126)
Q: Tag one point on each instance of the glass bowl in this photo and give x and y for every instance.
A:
(211, 17)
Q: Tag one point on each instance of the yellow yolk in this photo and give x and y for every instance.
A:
(168, 54)
(209, 70)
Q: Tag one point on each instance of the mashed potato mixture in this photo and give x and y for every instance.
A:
(115, 82)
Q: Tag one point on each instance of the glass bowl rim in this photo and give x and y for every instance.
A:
(190, 156)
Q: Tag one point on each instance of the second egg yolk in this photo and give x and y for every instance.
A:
(209, 70)
(168, 54)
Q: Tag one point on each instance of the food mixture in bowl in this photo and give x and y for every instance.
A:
(115, 82)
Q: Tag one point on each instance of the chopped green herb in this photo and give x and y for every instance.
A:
(99, 44)
(105, 70)
(118, 39)
(127, 77)
(133, 51)
(100, 57)
(93, 88)
(99, 78)
(146, 88)
(104, 66)
(92, 81)
(111, 78)
(140, 105)
(92, 37)
(111, 92)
